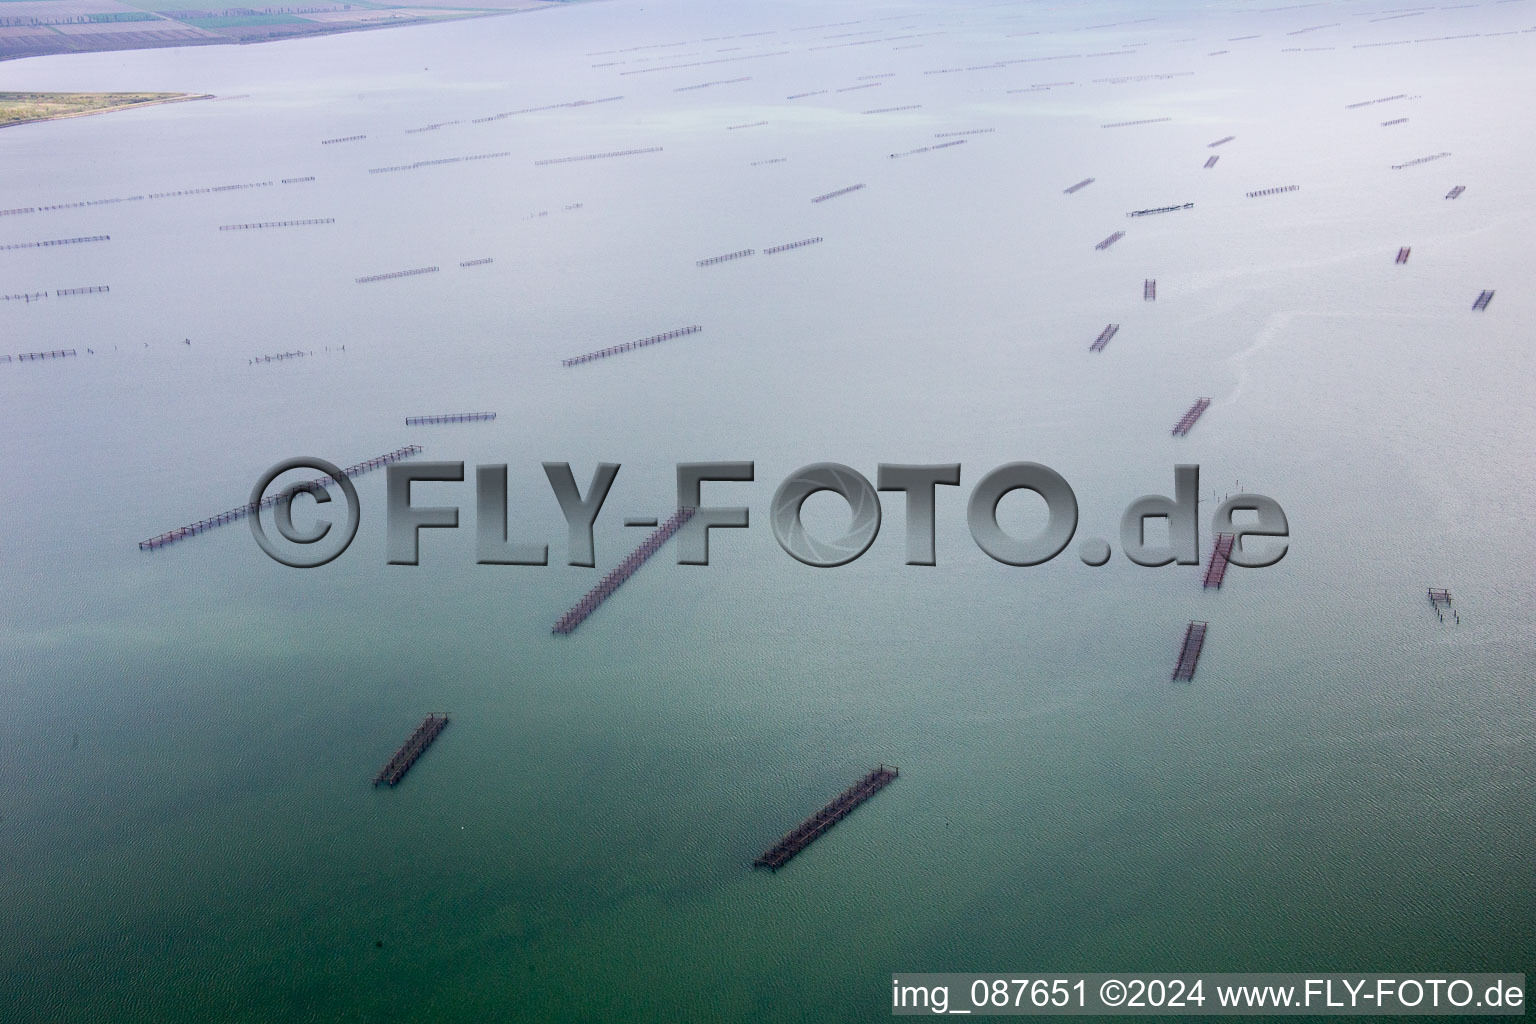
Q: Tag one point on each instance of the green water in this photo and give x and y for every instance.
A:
(187, 832)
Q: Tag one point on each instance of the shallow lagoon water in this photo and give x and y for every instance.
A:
(187, 831)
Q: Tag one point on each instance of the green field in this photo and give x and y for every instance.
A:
(242, 20)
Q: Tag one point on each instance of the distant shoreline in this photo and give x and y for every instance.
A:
(178, 98)
(445, 15)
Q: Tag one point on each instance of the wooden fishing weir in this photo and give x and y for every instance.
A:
(1082, 184)
(395, 274)
(32, 357)
(738, 254)
(1402, 254)
(204, 191)
(835, 193)
(241, 511)
(1160, 209)
(1420, 160)
(1189, 654)
(1190, 416)
(929, 149)
(451, 417)
(1216, 568)
(92, 290)
(1274, 191)
(1210, 161)
(535, 110)
(812, 828)
(630, 346)
(1440, 601)
(411, 750)
(597, 156)
(438, 162)
(346, 138)
(1149, 289)
(1220, 142)
(477, 263)
(278, 357)
(616, 577)
(1103, 338)
(55, 241)
(276, 224)
(1458, 190)
(24, 297)
(1483, 298)
(791, 245)
(1111, 240)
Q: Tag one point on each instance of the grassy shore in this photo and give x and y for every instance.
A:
(24, 107)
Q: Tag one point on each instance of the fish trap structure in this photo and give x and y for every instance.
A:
(396, 274)
(1483, 298)
(33, 357)
(205, 191)
(1111, 240)
(23, 297)
(1189, 653)
(929, 149)
(630, 346)
(477, 263)
(56, 241)
(451, 417)
(596, 156)
(1080, 185)
(1103, 339)
(278, 357)
(277, 224)
(738, 254)
(295, 181)
(617, 576)
(535, 110)
(241, 511)
(1149, 289)
(1420, 160)
(438, 163)
(1440, 601)
(1220, 142)
(1274, 191)
(411, 750)
(1221, 554)
(791, 245)
(1210, 161)
(1192, 414)
(344, 138)
(1458, 190)
(1402, 254)
(838, 192)
(93, 290)
(1160, 209)
(814, 827)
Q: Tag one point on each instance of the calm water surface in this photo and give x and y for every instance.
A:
(186, 827)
